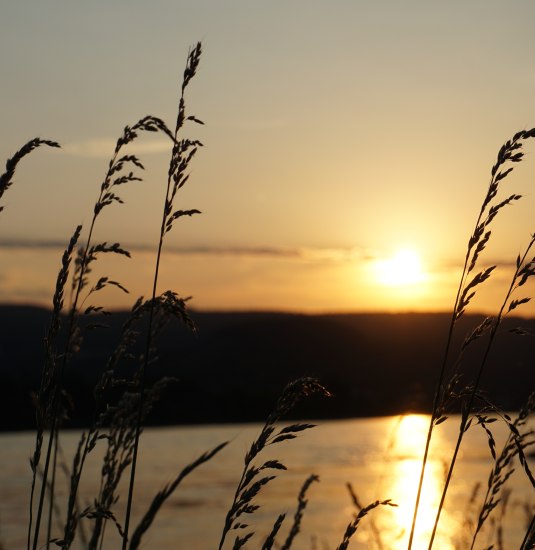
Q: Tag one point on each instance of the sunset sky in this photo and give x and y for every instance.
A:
(338, 137)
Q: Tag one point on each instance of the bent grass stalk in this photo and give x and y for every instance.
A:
(250, 484)
(6, 179)
(351, 529)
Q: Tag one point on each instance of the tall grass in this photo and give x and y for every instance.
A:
(448, 390)
(182, 153)
(119, 415)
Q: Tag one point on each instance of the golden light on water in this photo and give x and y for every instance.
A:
(401, 483)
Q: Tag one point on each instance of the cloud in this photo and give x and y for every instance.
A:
(104, 147)
(320, 255)
(306, 255)
(234, 277)
(26, 244)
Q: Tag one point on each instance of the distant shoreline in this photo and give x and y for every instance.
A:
(234, 367)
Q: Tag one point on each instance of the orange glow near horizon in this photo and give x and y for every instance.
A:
(232, 282)
(303, 185)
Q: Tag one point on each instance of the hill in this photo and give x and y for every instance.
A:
(234, 368)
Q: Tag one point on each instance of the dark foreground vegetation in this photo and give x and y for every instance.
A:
(236, 364)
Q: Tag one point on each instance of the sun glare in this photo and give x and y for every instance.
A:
(404, 267)
(401, 484)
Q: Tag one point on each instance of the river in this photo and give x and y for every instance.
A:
(380, 457)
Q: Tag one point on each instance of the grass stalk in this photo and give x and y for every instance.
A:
(51, 495)
(519, 272)
(183, 152)
(510, 152)
(439, 389)
(115, 176)
(503, 469)
(6, 181)
(351, 529)
(250, 482)
(528, 543)
(47, 405)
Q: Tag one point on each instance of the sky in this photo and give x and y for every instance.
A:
(337, 136)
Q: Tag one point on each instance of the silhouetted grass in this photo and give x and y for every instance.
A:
(122, 403)
(456, 388)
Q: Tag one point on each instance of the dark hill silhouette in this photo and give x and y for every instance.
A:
(237, 364)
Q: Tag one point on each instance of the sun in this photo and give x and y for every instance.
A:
(403, 268)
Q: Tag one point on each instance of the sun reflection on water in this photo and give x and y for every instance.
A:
(400, 483)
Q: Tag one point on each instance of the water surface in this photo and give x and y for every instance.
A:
(380, 457)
